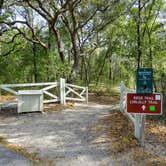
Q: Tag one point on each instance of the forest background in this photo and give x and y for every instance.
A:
(95, 43)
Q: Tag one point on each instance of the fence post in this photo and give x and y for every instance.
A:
(87, 95)
(62, 91)
(137, 126)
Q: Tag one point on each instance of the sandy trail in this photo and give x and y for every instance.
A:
(64, 137)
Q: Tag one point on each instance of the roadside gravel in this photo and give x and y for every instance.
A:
(64, 137)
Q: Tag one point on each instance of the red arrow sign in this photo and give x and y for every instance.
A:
(150, 104)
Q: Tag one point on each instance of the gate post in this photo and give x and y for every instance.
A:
(62, 91)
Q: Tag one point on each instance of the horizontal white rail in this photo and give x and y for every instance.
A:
(29, 84)
(75, 86)
(51, 100)
(75, 99)
(49, 87)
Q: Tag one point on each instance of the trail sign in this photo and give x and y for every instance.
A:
(150, 104)
(144, 81)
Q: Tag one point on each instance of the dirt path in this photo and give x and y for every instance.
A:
(65, 137)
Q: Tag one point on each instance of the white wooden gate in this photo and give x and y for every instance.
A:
(52, 91)
(80, 93)
(14, 88)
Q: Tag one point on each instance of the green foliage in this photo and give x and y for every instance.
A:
(106, 41)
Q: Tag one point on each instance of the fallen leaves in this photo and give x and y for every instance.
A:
(125, 148)
(4, 98)
(101, 99)
(158, 130)
(120, 131)
(53, 107)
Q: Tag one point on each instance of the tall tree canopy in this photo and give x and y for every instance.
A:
(81, 40)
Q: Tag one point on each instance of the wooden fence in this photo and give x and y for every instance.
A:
(137, 119)
(52, 91)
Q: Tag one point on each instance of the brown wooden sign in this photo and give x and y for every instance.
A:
(150, 104)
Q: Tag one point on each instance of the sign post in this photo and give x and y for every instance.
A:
(145, 104)
(144, 101)
(144, 81)
(142, 105)
(144, 86)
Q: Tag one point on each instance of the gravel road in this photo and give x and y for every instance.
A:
(10, 157)
(65, 137)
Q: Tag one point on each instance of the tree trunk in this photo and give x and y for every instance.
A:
(47, 53)
(34, 62)
(110, 70)
(85, 67)
(75, 68)
(139, 35)
(59, 43)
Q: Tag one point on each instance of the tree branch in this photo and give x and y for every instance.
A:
(82, 25)
(37, 41)
(43, 9)
(11, 41)
(10, 51)
(37, 10)
(13, 22)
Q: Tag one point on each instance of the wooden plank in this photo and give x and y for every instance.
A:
(29, 92)
(74, 86)
(49, 87)
(74, 99)
(131, 117)
(75, 93)
(51, 100)
(50, 94)
(83, 91)
(28, 84)
(67, 92)
(9, 90)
